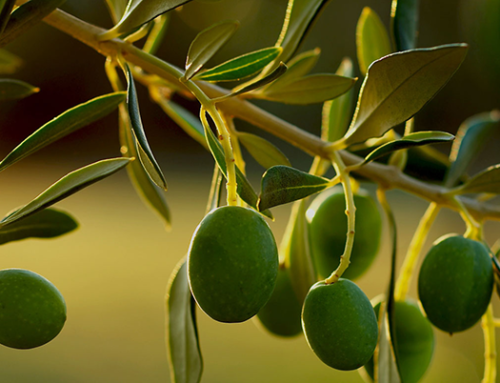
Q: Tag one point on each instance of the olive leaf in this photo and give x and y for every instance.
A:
(214, 196)
(47, 223)
(244, 189)
(240, 67)
(207, 43)
(336, 113)
(140, 12)
(147, 189)
(27, 16)
(372, 40)
(296, 250)
(409, 141)
(66, 186)
(309, 89)
(283, 184)
(14, 89)
(9, 63)
(116, 9)
(398, 86)
(471, 136)
(183, 345)
(146, 156)
(6, 7)
(265, 153)
(487, 181)
(64, 124)
(157, 33)
(404, 23)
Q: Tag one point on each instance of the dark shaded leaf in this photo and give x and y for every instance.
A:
(9, 63)
(6, 7)
(265, 153)
(215, 190)
(116, 9)
(158, 32)
(183, 345)
(404, 21)
(282, 184)
(488, 181)
(14, 89)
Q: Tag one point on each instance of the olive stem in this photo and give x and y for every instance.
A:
(490, 353)
(412, 255)
(474, 228)
(345, 259)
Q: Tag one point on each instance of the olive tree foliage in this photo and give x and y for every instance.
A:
(309, 288)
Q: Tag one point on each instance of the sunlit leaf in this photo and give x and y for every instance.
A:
(282, 184)
(207, 43)
(337, 113)
(488, 181)
(6, 7)
(147, 189)
(146, 156)
(14, 89)
(116, 9)
(398, 86)
(295, 248)
(240, 67)
(372, 40)
(409, 141)
(183, 345)
(471, 137)
(47, 223)
(309, 89)
(68, 185)
(64, 124)
(9, 62)
(404, 20)
(27, 16)
(265, 153)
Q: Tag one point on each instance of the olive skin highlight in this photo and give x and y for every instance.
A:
(232, 264)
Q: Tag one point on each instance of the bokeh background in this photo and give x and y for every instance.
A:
(113, 271)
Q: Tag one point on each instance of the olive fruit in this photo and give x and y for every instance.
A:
(281, 314)
(339, 324)
(328, 229)
(32, 310)
(232, 263)
(414, 341)
(455, 283)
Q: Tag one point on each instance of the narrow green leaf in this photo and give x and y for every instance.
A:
(409, 141)
(387, 367)
(214, 196)
(488, 181)
(399, 85)
(244, 189)
(265, 153)
(146, 156)
(116, 9)
(147, 189)
(6, 7)
(9, 63)
(298, 67)
(300, 15)
(240, 67)
(207, 43)
(282, 184)
(68, 185)
(183, 345)
(372, 40)
(471, 137)
(404, 20)
(27, 16)
(337, 113)
(48, 223)
(14, 89)
(139, 12)
(296, 250)
(309, 89)
(157, 34)
(64, 124)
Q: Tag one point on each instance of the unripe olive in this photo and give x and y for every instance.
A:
(414, 340)
(281, 314)
(339, 324)
(328, 229)
(32, 310)
(232, 264)
(455, 283)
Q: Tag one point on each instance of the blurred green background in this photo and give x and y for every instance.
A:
(113, 271)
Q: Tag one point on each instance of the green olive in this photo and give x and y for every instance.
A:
(281, 314)
(32, 310)
(328, 229)
(455, 283)
(340, 324)
(414, 339)
(232, 264)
